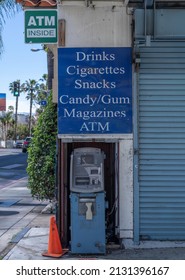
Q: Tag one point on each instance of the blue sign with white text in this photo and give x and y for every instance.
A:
(94, 90)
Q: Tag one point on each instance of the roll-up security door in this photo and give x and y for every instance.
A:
(161, 136)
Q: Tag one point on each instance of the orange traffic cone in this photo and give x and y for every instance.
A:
(54, 246)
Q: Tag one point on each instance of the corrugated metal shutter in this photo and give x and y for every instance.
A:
(162, 142)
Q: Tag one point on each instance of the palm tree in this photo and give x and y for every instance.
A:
(50, 67)
(43, 90)
(43, 87)
(7, 9)
(50, 64)
(6, 120)
(31, 87)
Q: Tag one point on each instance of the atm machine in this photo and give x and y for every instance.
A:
(87, 201)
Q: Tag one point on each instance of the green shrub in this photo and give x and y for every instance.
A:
(42, 154)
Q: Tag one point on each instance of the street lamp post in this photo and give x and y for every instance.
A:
(16, 93)
(16, 109)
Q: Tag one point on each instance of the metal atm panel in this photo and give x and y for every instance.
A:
(88, 225)
(87, 201)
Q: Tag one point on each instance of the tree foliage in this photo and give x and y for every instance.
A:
(42, 153)
(22, 132)
(6, 122)
(7, 9)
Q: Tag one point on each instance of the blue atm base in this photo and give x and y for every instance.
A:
(88, 223)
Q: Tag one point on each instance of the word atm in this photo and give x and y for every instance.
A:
(87, 201)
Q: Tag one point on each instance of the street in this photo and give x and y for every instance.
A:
(18, 210)
(13, 165)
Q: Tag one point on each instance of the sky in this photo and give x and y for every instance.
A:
(18, 62)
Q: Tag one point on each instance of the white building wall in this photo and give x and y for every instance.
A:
(126, 188)
(103, 24)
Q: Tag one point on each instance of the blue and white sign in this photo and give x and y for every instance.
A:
(43, 102)
(95, 90)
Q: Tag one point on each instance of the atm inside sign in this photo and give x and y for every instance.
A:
(41, 26)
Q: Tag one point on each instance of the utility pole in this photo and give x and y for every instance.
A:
(16, 109)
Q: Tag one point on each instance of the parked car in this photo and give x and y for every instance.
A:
(26, 144)
(18, 144)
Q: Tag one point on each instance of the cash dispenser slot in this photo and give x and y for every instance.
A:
(82, 181)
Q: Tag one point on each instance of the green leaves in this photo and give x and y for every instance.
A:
(42, 153)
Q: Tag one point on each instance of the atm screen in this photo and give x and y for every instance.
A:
(87, 159)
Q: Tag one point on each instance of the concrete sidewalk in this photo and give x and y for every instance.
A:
(19, 213)
(35, 242)
(24, 233)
